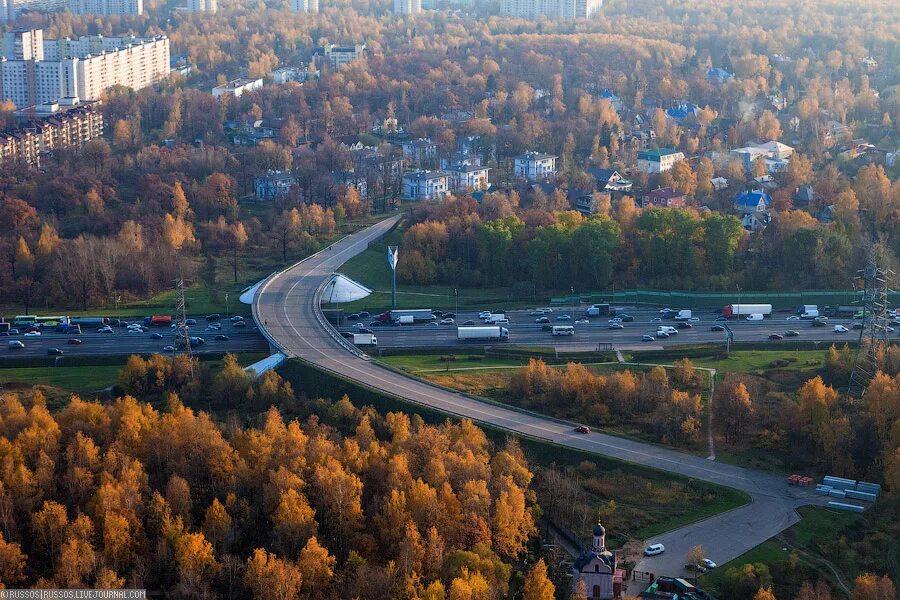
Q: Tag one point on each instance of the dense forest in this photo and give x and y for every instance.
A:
(122, 494)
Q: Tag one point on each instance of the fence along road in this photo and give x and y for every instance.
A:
(286, 307)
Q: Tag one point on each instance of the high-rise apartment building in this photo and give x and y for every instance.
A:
(552, 9)
(106, 7)
(209, 6)
(308, 6)
(32, 73)
(407, 7)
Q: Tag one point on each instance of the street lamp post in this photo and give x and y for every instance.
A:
(573, 302)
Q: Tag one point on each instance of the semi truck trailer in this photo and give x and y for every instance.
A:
(743, 310)
(494, 333)
(364, 339)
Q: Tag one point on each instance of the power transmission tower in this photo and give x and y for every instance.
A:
(873, 286)
(182, 331)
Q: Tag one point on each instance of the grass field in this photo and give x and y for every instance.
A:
(747, 361)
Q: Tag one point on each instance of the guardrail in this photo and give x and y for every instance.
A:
(323, 322)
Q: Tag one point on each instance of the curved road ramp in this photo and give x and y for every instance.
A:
(286, 307)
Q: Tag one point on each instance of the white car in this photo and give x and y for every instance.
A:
(33, 334)
(793, 318)
(708, 563)
(485, 314)
(546, 310)
(105, 329)
(654, 549)
(840, 329)
(447, 321)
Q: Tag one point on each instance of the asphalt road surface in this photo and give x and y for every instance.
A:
(286, 306)
(524, 331)
(122, 342)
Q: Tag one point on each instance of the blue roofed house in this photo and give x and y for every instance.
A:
(682, 111)
(718, 75)
(597, 567)
(274, 184)
(616, 102)
(753, 207)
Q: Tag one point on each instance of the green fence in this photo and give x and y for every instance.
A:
(682, 299)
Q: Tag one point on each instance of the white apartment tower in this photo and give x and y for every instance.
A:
(209, 6)
(33, 73)
(407, 7)
(552, 9)
(307, 6)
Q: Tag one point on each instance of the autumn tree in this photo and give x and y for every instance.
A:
(268, 576)
(537, 585)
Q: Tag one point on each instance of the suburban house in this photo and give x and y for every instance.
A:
(466, 177)
(585, 202)
(664, 198)
(719, 183)
(718, 75)
(283, 75)
(419, 151)
(775, 154)
(534, 165)
(610, 180)
(754, 209)
(617, 103)
(658, 160)
(682, 111)
(803, 196)
(274, 184)
(597, 568)
(425, 185)
(750, 201)
(352, 179)
(353, 143)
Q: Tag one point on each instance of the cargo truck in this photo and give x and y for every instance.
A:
(808, 311)
(684, 315)
(158, 320)
(497, 319)
(600, 310)
(743, 310)
(364, 339)
(406, 319)
(487, 333)
(419, 315)
(89, 321)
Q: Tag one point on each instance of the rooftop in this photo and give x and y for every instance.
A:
(534, 155)
(657, 153)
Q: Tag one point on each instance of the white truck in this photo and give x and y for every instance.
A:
(684, 315)
(364, 339)
(743, 310)
(497, 319)
(809, 311)
(492, 333)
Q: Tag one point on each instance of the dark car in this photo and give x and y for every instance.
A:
(236, 318)
(776, 337)
(717, 328)
(721, 319)
(546, 327)
(818, 323)
(626, 318)
(352, 317)
(683, 325)
(542, 320)
(214, 317)
(190, 321)
(73, 341)
(156, 336)
(221, 338)
(438, 313)
(54, 352)
(364, 330)
(364, 314)
(791, 333)
(449, 315)
(240, 324)
(469, 322)
(347, 334)
(582, 429)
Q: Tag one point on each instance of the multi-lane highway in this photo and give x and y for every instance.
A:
(524, 330)
(287, 308)
(123, 342)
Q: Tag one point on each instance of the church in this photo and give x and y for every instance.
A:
(597, 568)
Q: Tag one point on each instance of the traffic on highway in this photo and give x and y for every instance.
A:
(131, 336)
(620, 326)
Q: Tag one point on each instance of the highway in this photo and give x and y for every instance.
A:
(122, 342)
(524, 331)
(286, 307)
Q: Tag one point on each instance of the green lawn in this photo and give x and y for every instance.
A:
(415, 363)
(758, 360)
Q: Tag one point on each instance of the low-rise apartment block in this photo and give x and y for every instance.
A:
(658, 160)
(60, 130)
(425, 185)
(236, 87)
(338, 56)
(534, 166)
(469, 178)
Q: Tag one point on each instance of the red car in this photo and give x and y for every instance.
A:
(73, 341)
(582, 429)
(775, 337)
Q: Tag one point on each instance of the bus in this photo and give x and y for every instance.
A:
(563, 330)
(23, 320)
